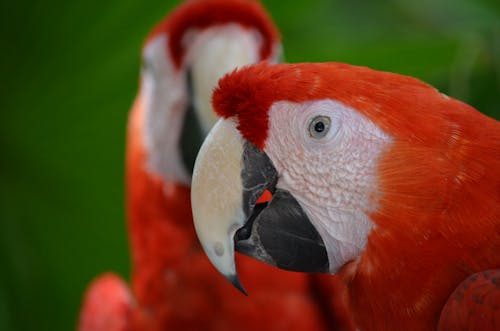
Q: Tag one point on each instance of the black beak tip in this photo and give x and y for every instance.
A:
(236, 283)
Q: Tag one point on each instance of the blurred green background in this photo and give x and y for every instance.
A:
(69, 73)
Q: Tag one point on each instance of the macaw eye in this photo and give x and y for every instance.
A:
(319, 126)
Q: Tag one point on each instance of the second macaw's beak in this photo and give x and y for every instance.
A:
(230, 175)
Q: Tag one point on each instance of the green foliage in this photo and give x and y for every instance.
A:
(69, 75)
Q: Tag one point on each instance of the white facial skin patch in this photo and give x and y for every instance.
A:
(333, 175)
(165, 97)
(211, 53)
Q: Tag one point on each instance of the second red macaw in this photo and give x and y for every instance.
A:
(173, 286)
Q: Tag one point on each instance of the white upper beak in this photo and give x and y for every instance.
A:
(216, 196)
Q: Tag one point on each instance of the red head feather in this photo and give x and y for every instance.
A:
(401, 105)
(193, 14)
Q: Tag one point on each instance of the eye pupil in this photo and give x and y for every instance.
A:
(319, 127)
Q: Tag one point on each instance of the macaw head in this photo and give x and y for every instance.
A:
(346, 155)
(182, 60)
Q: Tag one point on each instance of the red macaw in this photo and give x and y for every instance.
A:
(375, 177)
(173, 286)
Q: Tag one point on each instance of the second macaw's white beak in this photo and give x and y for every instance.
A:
(229, 177)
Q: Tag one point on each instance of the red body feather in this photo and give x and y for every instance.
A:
(438, 219)
(108, 305)
(474, 305)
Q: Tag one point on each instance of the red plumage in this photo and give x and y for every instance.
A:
(108, 305)
(474, 305)
(438, 219)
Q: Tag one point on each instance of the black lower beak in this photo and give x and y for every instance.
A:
(278, 232)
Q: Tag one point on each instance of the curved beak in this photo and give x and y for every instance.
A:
(217, 211)
(229, 177)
